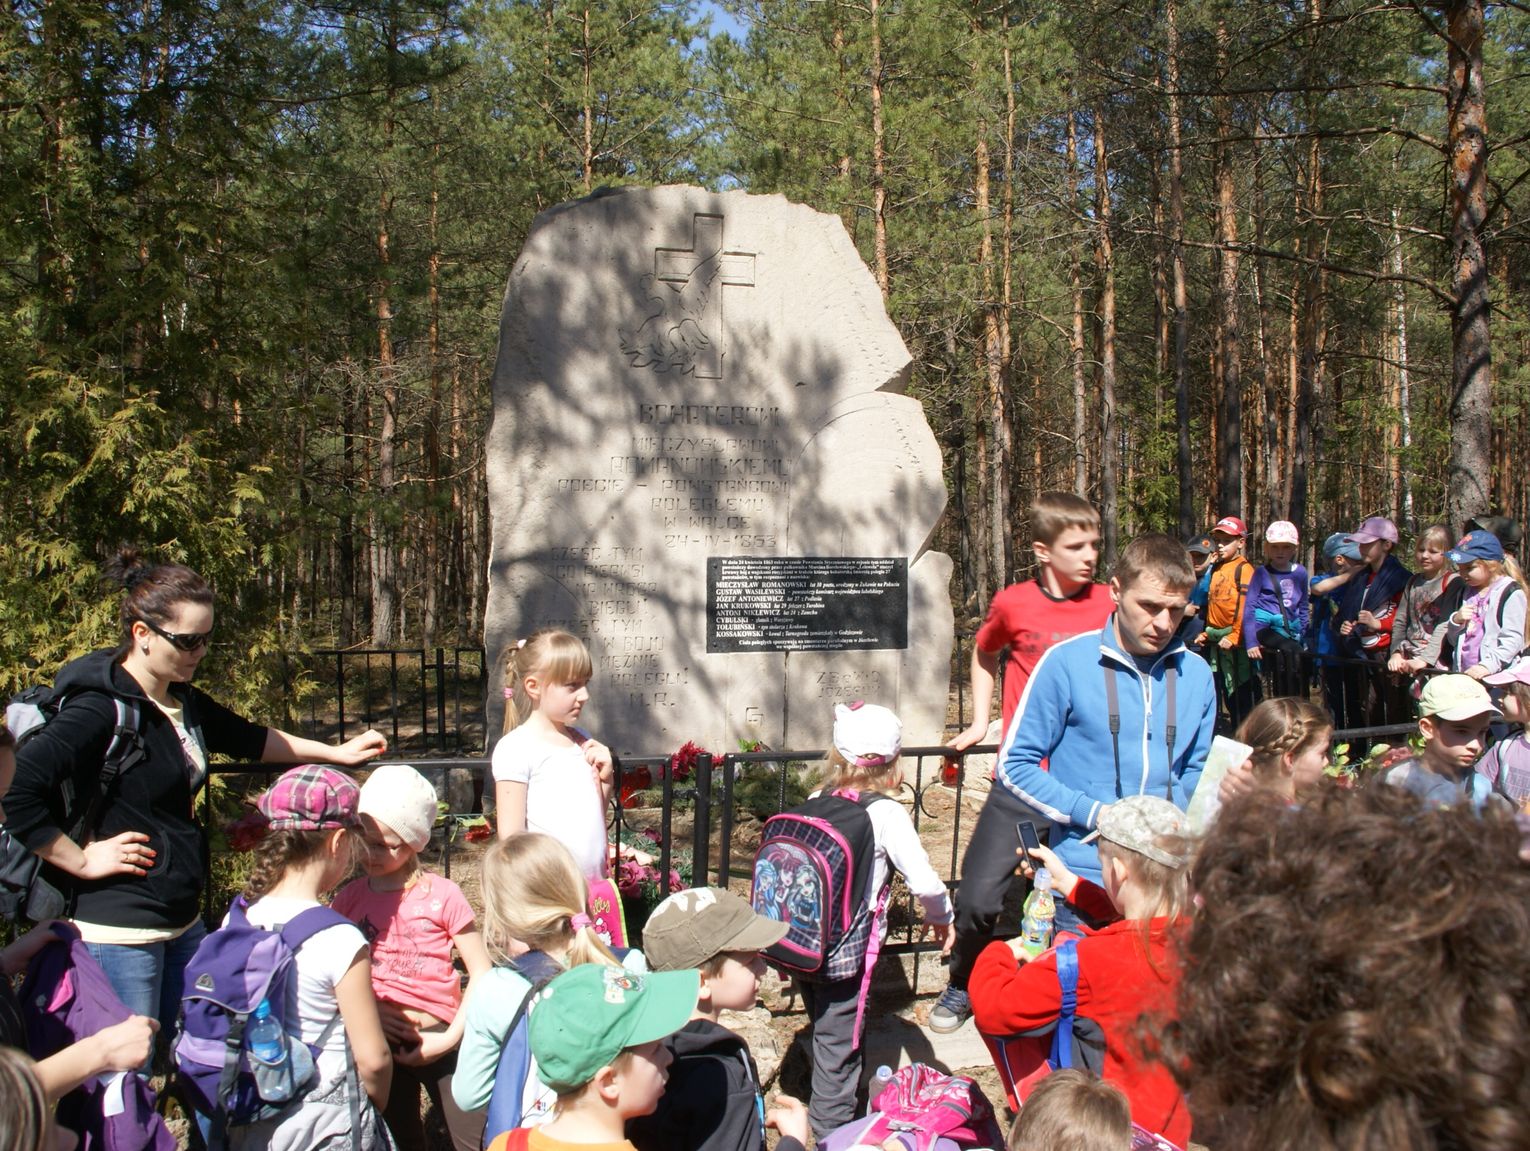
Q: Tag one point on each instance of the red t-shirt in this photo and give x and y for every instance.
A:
(1027, 621)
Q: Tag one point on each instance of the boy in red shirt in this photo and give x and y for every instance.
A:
(1025, 619)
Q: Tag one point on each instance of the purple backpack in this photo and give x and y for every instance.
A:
(66, 997)
(236, 969)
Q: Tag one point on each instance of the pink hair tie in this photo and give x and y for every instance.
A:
(509, 692)
(579, 922)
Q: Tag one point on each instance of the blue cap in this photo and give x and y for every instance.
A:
(1477, 545)
(1339, 544)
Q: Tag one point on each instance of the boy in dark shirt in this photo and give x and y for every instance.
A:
(713, 1101)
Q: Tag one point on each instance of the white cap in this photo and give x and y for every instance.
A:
(867, 734)
(397, 795)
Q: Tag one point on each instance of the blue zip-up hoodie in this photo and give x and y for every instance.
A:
(1063, 719)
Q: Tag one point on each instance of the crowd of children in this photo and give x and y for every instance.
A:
(1192, 983)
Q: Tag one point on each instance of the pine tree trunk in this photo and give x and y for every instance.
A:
(878, 155)
(1105, 259)
(1230, 413)
(1471, 381)
(1076, 343)
(992, 365)
(1181, 361)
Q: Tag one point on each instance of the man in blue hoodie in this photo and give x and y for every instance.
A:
(1126, 710)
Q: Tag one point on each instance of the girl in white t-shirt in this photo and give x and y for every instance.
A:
(550, 775)
(309, 849)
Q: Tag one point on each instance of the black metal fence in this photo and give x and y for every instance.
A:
(426, 701)
(431, 705)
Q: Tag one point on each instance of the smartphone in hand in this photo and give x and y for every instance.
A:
(1028, 839)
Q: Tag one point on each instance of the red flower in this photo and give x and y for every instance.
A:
(629, 797)
(639, 778)
(479, 832)
(246, 831)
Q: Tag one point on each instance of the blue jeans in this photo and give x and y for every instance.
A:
(149, 977)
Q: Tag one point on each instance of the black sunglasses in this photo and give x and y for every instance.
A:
(187, 641)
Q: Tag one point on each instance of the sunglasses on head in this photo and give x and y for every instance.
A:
(187, 641)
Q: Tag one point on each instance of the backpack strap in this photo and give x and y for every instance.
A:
(514, 1065)
(1066, 955)
(1170, 727)
(1499, 784)
(1504, 599)
(1113, 708)
(1280, 598)
(123, 753)
(305, 925)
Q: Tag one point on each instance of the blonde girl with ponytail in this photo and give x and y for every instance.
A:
(535, 924)
(550, 775)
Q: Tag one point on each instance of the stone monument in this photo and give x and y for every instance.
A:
(701, 462)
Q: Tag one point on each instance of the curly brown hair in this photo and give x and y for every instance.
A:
(1356, 978)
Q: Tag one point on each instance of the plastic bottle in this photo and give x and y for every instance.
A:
(269, 1059)
(1040, 916)
(882, 1077)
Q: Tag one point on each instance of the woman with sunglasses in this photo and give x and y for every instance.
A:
(135, 882)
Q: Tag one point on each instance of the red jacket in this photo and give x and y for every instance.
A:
(1117, 986)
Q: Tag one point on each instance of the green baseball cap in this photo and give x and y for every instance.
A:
(591, 1013)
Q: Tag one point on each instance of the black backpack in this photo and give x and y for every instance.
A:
(26, 888)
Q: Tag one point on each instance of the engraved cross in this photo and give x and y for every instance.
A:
(697, 274)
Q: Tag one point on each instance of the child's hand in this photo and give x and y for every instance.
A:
(1017, 949)
(790, 1117)
(945, 935)
(1368, 618)
(125, 1046)
(398, 1028)
(1255, 653)
(1398, 662)
(1237, 781)
(432, 1045)
(598, 756)
(1063, 880)
(627, 851)
(1346, 627)
(1227, 643)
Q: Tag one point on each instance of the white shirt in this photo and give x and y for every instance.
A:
(321, 963)
(563, 797)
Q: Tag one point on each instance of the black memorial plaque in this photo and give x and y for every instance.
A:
(806, 603)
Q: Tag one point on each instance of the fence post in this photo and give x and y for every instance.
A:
(666, 827)
(725, 836)
(340, 691)
(701, 827)
(441, 697)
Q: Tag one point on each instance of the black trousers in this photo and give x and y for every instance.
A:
(988, 868)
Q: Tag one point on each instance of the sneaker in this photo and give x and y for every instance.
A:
(951, 1010)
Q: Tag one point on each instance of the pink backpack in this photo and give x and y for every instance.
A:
(925, 1109)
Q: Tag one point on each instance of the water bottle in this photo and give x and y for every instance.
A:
(270, 1062)
(881, 1077)
(1040, 916)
